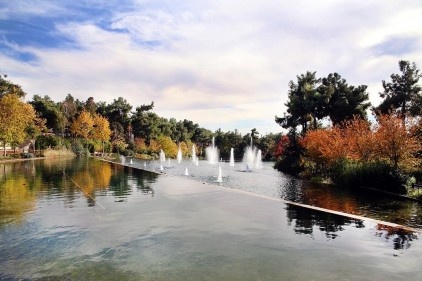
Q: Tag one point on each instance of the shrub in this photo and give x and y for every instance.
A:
(379, 175)
(48, 141)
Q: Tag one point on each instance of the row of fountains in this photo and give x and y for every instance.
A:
(252, 158)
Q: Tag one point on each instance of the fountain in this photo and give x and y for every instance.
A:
(169, 165)
(219, 177)
(179, 155)
(232, 157)
(252, 158)
(162, 156)
(212, 153)
(145, 164)
(186, 172)
(194, 158)
(131, 161)
(197, 162)
(122, 159)
(161, 168)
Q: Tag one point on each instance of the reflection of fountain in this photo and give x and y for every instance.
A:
(179, 155)
(212, 153)
(186, 172)
(231, 157)
(220, 177)
(161, 168)
(197, 162)
(252, 158)
(162, 156)
(194, 158)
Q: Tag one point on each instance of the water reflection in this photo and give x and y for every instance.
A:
(308, 222)
(66, 179)
(357, 201)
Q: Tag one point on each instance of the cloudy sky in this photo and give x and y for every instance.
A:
(220, 63)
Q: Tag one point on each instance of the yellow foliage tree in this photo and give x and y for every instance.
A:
(168, 146)
(82, 125)
(101, 129)
(15, 118)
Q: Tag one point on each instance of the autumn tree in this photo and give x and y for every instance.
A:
(101, 129)
(82, 125)
(15, 117)
(396, 143)
(403, 94)
(168, 146)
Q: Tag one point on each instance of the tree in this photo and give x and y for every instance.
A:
(50, 111)
(90, 106)
(82, 125)
(341, 101)
(69, 108)
(396, 143)
(402, 95)
(101, 129)
(7, 87)
(15, 117)
(305, 105)
(118, 112)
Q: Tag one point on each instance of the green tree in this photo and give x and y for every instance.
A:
(7, 87)
(305, 104)
(403, 94)
(50, 111)
(342, 101)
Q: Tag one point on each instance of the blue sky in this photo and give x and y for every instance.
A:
(222, 64)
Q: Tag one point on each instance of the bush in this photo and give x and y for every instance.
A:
(78, 147)
(379, 175)
(48, 141)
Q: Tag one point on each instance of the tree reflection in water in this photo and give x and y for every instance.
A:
(307, 221)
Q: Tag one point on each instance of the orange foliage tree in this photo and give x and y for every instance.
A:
(396, 143)
(356, 140)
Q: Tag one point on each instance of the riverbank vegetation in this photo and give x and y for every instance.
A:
(332, 138)
(110, 128)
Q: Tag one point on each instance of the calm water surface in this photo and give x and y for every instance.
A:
(270, 182)
(91, 220)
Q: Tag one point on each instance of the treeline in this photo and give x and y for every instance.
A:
(331, 137)
(115, 127)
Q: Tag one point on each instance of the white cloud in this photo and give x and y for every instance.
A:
(219, 63)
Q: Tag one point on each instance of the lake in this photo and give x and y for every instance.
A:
(85, 219)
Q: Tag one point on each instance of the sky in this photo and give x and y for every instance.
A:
(219, 63)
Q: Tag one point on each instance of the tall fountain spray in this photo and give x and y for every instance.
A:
(212, 153)
(232, 157)
(162, 156)
(193, 154)
(252, 158)
(179, 156)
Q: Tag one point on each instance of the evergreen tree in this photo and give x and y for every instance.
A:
(403, 94)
